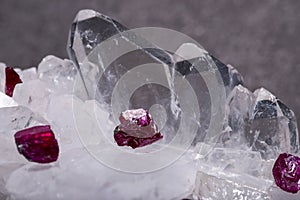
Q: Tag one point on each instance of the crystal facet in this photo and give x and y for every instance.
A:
(286, 172)
(12, 78)
(37, 144)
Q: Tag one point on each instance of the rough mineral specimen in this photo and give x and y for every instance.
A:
(11, 80)
(37, 144)
(137, 129)
(286, 172)
(137, 123)
(256, 129)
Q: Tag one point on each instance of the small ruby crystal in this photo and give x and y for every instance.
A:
(286, 172)
(137, 123)
(123, 139)
(137, 129)
(37, 144)
(12, 78)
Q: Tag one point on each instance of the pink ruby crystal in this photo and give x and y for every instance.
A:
(286, 172)
(137, 129)
(12, 78)
(37, 144)
(137, 123)
(123, 139)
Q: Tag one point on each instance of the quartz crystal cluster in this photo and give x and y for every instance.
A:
(255, 155)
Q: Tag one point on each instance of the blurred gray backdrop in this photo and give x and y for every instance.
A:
(260, 38)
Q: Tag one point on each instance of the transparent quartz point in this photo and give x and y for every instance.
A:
(194, 68)
(101, 77)
(89, 29)
(238, 110)
(272, 127)
(261, 122)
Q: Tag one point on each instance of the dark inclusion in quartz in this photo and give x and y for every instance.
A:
(137, 129)
(12, 78)
(286, 172)
(37, 144)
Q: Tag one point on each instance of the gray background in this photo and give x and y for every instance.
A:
(260, 38)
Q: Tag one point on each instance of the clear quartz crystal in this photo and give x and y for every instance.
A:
(97, 180)
(36, 99)
(58, 73)
(235, 161)
(54, 76)
(230, 186)
(28, 74)
(17, 118)
(260, 121)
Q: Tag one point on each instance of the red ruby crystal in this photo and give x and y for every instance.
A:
(123, 139)
(37, 144)
(12, 78)
(137, 123)
(286, 172)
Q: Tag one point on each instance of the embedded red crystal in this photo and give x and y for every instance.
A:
(12, 78)
(123, 139)
(137, 123)
(37, 144)
(286, 172)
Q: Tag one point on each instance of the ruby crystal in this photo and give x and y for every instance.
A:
(286, 172)
(123, 139)
(137, 129)
(37, 144)
(137, 123)
(12, 78)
